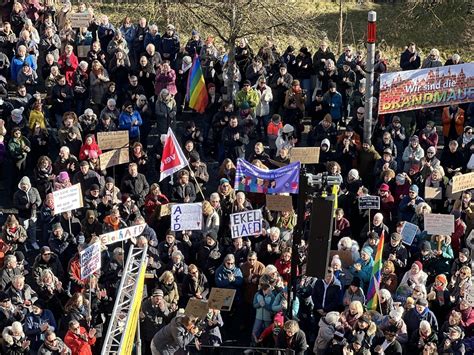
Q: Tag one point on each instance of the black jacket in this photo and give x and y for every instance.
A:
(137, 187)
(179, 192)
(298, 342)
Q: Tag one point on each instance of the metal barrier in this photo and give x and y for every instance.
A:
(231, 350)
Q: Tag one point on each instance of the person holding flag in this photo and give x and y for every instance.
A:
(374, 286)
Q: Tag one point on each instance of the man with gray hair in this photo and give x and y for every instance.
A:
(9, 271)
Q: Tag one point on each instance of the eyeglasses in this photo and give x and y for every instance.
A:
(229, 263)
(463, 273)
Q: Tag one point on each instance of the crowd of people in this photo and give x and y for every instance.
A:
(61, 85)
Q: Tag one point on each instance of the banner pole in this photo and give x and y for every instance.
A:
(197, 184)
(90, 301)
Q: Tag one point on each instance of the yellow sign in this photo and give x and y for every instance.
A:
(128, 340)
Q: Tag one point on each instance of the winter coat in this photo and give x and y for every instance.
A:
(12, 345)
(17, 64)
(191, 287)
(25, 200)
(278, 304)
(365, 272)
(126, 123)
(298, 342)
(78, 345)
(59, 349)
(166, 81)
(325, 336)
(408, 211)
(405, 63)
(327, 297)
(413, 319)
(32, 326)
(265, 97)
(333, 101)
(179, 192)
(137, 187)
(172, 337)
(263, 313)
(234, 148)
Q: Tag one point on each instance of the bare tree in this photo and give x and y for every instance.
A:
(234, 19)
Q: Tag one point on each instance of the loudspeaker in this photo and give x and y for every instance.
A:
(319, 241)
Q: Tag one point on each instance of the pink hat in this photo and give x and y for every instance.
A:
(419, 264)
(93, 154)
(63, 176)
(384, 187)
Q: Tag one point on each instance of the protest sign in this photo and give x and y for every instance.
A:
(112, 140)
(433, 193)
(122, 234)
(249, 178)
(90, 260)
(221, 298)
(197, 308)
(186, 217)
(281, 203)
(246, 223)
(68, 199)
(369, 202)
(165, 210)
(80, 19)
(82, 51)
(469, 294)
(306, 155)
(462, 182)
(430, 87)
(408, 232)
(442, 224)
(114, 157)
(344, 255)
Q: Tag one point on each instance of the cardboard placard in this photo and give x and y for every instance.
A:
(450, 195)
(112, 140)
(246, 223)
(122, 234)
(114, 157)
(344, 255)
(186, 217)
(433, 193)
(165, 210)
(463, 182)
(197, 308)
(82, 51)
(280, 203)
(68, 199)
(90, 260)
(369, 202)
(221, 298)
(408, 232)
(442, 224)
(306, 155)
(80, 19)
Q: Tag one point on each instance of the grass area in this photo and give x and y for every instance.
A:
(446, 26)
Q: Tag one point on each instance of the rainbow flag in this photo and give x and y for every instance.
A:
(196, 91)
(374, 286)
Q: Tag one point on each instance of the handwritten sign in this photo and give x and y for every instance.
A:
(433, 193)
(68, 199)
(197, 308)
(112, 140)
(463, 182)
(90, 260)
(369, 202)
(306, 155)
(281, 203)
(408, 232)
(114, 157)
(80, 19)
(122, 234)
(186, 217)
(221, 298)
(246, 223)
(442, 224)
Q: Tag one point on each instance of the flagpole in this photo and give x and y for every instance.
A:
(197, 184)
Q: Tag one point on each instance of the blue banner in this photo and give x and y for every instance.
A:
(249, 178)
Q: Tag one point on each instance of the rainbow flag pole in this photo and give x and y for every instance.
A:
(374, 286)
(196, 91)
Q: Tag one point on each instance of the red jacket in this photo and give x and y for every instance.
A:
(78, 345)
(284, 269)
(88, 148)
(68, 65)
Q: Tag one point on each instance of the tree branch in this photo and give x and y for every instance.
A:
(207, 23)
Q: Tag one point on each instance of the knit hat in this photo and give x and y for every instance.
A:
(4, 296)
(396, 119)
(414, 188)
(40, 304)
(94, 187)
(400, 178)
(364, 318)
(63, 176)
(396, 314)
(332, 317)
(353, 173)
(223, 181)
(414, 168)
(442, 278)
(244, 106)
(396, 236)
(17, 114)
(288, 128)
(414, 139)
(279, 318)
(387, 151)
(426, 246)
(422, 302)
(212, 234)
(419, 264)
(109, 179)
(384, 187)
(157, 292)
(367, 250)
(194, 32)
(466, 252)
(93, 154)
(56, 226)
(84, 163)
(247, 82)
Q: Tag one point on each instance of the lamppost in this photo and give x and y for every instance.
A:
(369, 95)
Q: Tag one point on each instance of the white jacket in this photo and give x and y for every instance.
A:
(263, 107)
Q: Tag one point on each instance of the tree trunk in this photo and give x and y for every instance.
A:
(340, 26)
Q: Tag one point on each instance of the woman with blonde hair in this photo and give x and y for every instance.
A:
(418, 218)
(211, 218)
(350, 316)
(169, 287)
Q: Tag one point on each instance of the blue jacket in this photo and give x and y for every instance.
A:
(32, 326)
(222, 279)
(125, 123)
(408, 211)
(413, 319)
(17, 64)
(155, 40)
(169, 46)
(333, 102)
(277, 304)
(365, 272)
(264, 313)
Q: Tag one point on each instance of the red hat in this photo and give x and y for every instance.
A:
(279, 318)
(419, 264)
(384, 187)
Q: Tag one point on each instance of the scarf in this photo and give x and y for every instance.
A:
(185, 67)
(167, 289)
(114, 224)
